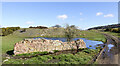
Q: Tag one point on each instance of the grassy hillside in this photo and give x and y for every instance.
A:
(106, 26)
(59, 32)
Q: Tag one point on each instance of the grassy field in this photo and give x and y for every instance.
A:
(9, 41)
(82, 57)
(113, 33)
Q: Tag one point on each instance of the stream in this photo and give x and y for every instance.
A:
(89, 43)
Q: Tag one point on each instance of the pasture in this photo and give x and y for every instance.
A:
(9, 41)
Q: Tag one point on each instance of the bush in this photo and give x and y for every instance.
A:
(99, 47)
(108, 29)
(9, 30)
(42, 58)
(56, 51)
(89, 51)
(116, 30)
(69, 33)
(90, 45)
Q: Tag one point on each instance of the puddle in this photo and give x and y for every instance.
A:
(107, 52)
(110, 46)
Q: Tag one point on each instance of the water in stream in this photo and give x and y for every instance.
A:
(93, 44)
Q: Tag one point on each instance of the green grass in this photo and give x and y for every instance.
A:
(112, 33)
(9, 41)
(92, 35)
(32, 54)
(79, 58)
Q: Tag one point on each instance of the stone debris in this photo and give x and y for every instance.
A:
(8, 57)
(5, 60)
(41, 45)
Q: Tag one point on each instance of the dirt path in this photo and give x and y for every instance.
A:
(110, 56)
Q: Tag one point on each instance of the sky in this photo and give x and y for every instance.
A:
(60, 0)
(82, 14)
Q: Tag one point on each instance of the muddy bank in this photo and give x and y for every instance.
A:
(109, 55)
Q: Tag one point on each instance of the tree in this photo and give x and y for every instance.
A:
(9, 30)
(58, 26)
(70, 33)
(73, 26)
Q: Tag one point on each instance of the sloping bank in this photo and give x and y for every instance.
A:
(109, 52)
(109, 56)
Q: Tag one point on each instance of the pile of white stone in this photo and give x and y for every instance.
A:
(41, 45)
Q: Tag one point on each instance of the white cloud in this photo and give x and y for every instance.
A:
(63, 17)
(99, 13)
(81, 13)
(109, 15)
(29, 22)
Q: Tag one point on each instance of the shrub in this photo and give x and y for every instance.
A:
(86, 51)
(48, 56)
(42, 58)
(56, 51)
(90, 45)
(99, 47)
(89, 51)
(108, 29)
(70, 32)
(9, 30)
(116, 30)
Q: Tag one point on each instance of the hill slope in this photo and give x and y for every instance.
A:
(107, 26)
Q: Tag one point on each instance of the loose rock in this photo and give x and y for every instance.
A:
(41, 45)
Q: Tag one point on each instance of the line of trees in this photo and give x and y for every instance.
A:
(8, 30)
(116, 30)
(106, 27)
(57, 26)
